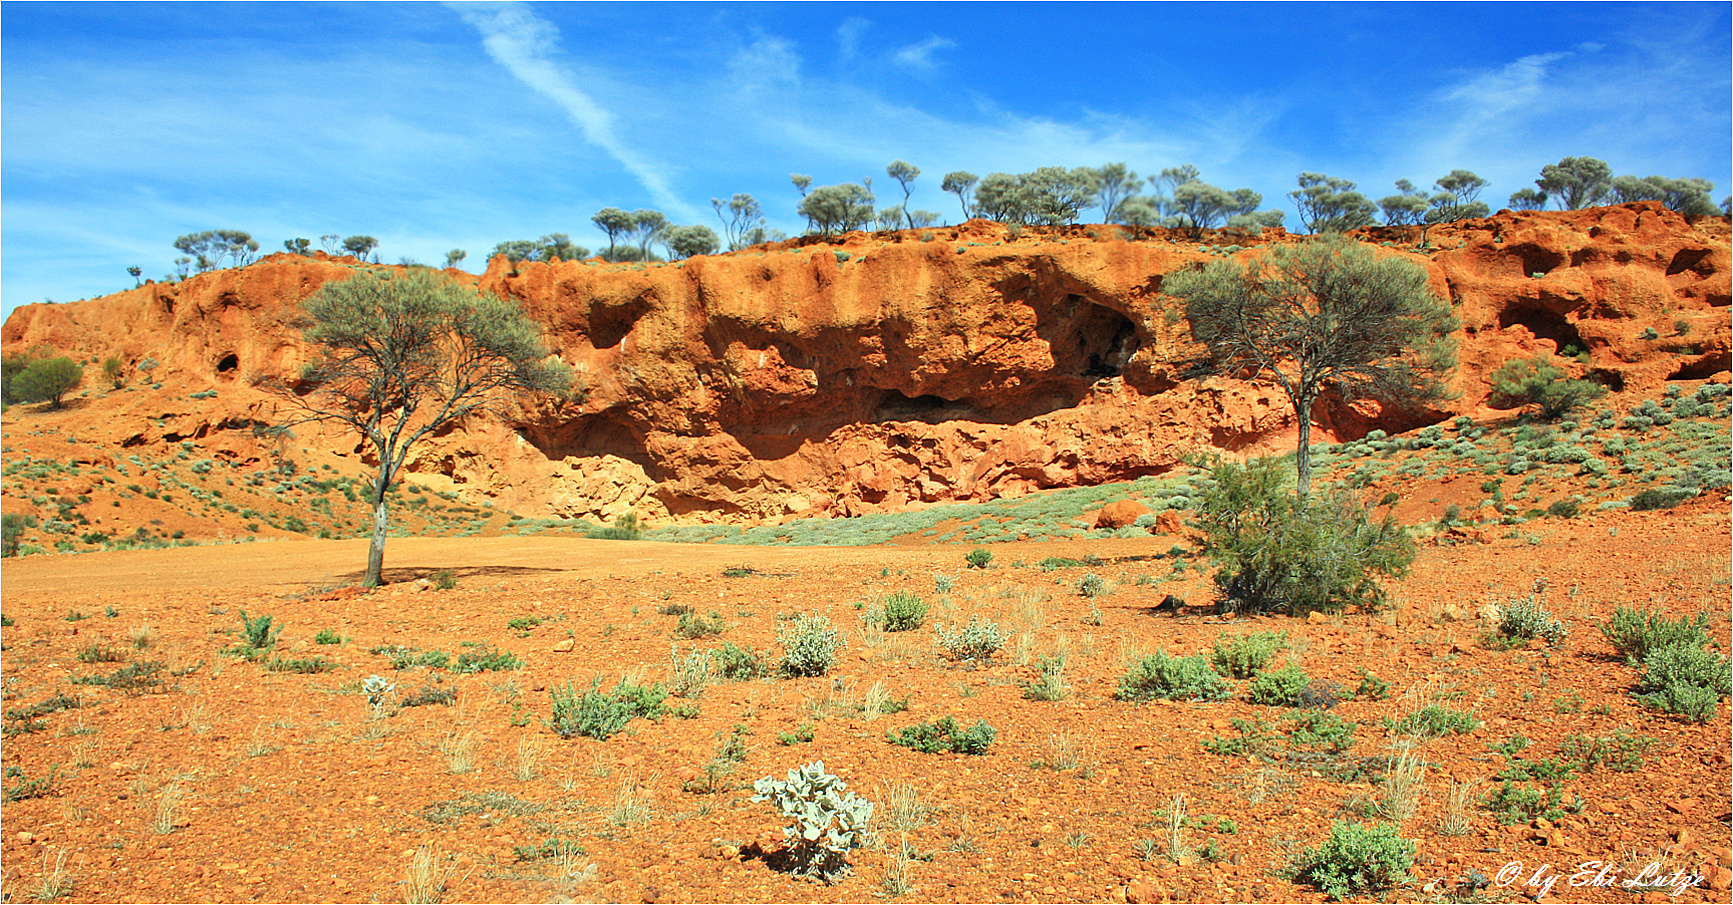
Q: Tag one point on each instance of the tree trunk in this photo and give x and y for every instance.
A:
(376, 549)
(1303, 452)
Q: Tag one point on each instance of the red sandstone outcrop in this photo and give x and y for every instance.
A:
(881, 371)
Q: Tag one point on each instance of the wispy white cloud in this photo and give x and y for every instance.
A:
(848, 36)
(525, 44)
(767, 64)
(918, 58)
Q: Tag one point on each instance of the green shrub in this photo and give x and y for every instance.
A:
(1685, 679)
(1634, 633)
(1314, 728)
(257, 634)
(735, 663)
(1358, 859)
(1279, 554)
(1513, 804)
(1245, 655)
(1661, 498)
(1432, 721)
(1179, 679)
(829, 821)
(444, 579)
(402, 658)
(1051, 685)
(1092, 586)
(12, 526)
(484, 658)
(693, 627)
(943, 735)
(979, 558)
(903, 612)
(97, 652)
(302, 665)
(810, 644)
(428, 695)
(327, 636)
(1521, 621)
(132, 679)
(625, 527)
(976, 641)
(598, 714)
(1281, 688)
(1621, 752)
(1566, 508)
(1256, 739)
(1371, 687)
(1535, 381)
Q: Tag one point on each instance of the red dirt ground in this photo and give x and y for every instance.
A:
(289, 792)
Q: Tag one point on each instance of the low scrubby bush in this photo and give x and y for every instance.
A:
(1174, 678)
(1280, 688)
(903, 612)
(1634, 633)
(942, 735)
(829, 821)
(810, 644)
(1535, 381)
(1246, 654)
(1521, 621)
(598, 714)
(1358, 859)
(1280, 554)
(736, 664)
(976, 641)
(1685, 679)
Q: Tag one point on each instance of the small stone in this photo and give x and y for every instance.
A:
(1453, 613)
(1722, 880)
(564, 646)
(1317, 618)
(26, 838)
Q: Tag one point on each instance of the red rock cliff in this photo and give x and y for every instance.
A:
(882, 371)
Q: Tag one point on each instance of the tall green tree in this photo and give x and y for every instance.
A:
(1117, 183)
(1325, 314)
(455, 257)
(615, 223)
(904, 173)
(360, 246)
(137, 274)
(1690, 196)
(1528, 200)
(647, 226)
(743, 222)
(403, 354)
(1405, 208)
(962, 184)
(1577, 182)
(302, 247)
(1330, 205)
(686, 241)
(210, 248)
(836, 209)
(1198, 206)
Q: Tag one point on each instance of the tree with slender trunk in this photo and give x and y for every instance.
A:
(1328, 313)
(402, 354)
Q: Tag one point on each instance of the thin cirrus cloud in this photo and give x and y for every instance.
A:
(525, 44)
(919, 58)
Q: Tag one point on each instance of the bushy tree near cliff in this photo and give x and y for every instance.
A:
(47, 380)
(1330, 205)
(1326, 314)
(402, 354)
(1577, 182)
(835, 209)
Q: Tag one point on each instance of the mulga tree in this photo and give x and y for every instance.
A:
(1577, 182)
(1325, 314)
(962, 184)
(402, 354)
(1330, 205)
(904, 173)
(742, 220)
(616, 224)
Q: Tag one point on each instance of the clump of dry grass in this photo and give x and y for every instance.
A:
(459, 750)
(902, 808)
(1403, 784)
(632, 802)
(55, 881)
(143, 636)
(425, 879)
(529, 757)
(1458, 809)
(168, 802)
(1177, 848)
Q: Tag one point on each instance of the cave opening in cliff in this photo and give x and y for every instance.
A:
(1543, 324)
(228, 363)
(1087, 340)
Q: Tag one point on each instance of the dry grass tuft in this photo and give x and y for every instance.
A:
(529, 757)
(424, 880)
(1401, 795)
(168, 803)
(459, 749)
(1458, 817)
(56, 880)
(632, 802)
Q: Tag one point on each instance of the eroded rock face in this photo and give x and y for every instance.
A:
(884, 371)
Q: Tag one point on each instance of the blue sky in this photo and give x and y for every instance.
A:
(440, 126)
